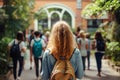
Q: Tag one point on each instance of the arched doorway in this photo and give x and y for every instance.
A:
(52, 13)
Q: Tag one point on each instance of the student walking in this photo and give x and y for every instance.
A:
(17, 49)
(88, 50)
(61, 46)
(37, 45)
(100, 50)
(29, 40)
(83, 45)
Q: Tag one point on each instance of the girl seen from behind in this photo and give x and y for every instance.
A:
(61, 43)
(83, 45)
(17, 49)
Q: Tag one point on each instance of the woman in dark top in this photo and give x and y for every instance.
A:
(100, 50)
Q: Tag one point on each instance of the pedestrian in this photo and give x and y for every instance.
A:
(100, 50)
(17, 49)
(83, 45)
(61, 44)
(37, 45)
(30, 39)
(88, 50)
(47, 34)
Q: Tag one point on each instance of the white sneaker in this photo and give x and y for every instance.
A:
(18, 78)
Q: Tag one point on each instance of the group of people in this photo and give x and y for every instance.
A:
(85, 45)
(61, 45)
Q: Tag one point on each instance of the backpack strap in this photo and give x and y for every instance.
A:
(72, 54)
(52, 54)
(14, 42)
(19, 42)
(61, 57)
(37, 41)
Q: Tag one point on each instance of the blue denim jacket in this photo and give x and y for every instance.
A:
(49, 61)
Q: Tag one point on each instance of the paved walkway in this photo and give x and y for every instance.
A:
(107, 72)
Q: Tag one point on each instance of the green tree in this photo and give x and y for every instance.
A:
(112, 7)
(3, 18)
(99, 6)
(14, 15)
(20, 15)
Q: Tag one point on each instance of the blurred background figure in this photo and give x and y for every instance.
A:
(36, 47)
(88, 50)
(100, 50)
(30, 39)
(47, 34)
(17, 50)
(82, 45)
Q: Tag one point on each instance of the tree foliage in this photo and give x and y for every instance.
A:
(99, 6)
(20, 14)
(112, 30)
(3, 16)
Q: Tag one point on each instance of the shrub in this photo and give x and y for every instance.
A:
(113, 50)
(4, 56)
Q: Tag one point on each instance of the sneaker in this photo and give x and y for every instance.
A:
(99, 75)
(18, 78)
(88, 68)
(30, 68)
(37, 78)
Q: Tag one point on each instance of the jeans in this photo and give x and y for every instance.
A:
(37, 65)
(20, 59)
(84, 60)
(88, 58)
(98, 57)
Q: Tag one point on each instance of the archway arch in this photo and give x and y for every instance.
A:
(59, 9)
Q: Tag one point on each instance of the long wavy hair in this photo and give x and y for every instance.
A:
(98, 36)
(61, 41)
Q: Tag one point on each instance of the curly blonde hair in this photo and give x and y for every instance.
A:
(61, 41)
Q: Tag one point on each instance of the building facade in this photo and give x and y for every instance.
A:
(71, 8)
(68, 10)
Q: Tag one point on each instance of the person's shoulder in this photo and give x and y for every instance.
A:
(47, 52)
(22, 42)
(14, 40)
(41, 39)
(86, 39)
(79, 39)
(76, 51)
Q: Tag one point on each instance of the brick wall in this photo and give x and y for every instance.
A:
(69, 3)
(72, 4)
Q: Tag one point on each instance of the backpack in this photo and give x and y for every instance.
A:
(37, 48)
(15, 50)
(63, 70)
(100, 45)
(31, 37)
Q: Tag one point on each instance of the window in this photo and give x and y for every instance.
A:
(94, 23)
(79, 3)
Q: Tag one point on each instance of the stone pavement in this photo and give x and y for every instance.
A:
(107, 72)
